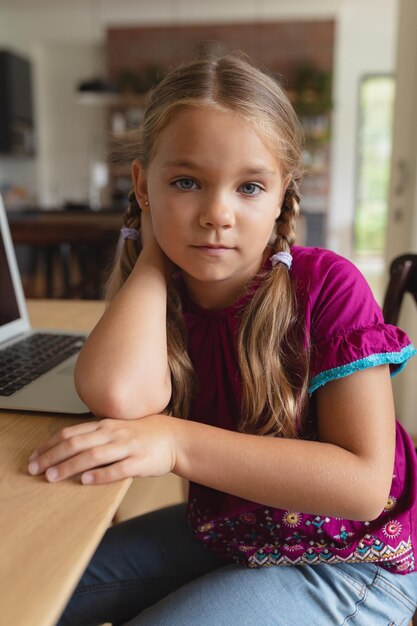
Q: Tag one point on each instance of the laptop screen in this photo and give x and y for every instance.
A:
(14, 318)
(9, 309)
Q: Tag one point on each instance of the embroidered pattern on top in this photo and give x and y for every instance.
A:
(261, 539)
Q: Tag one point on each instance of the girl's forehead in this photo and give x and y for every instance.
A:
(194, 126)
(208, 114)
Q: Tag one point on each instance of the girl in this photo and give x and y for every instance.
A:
(280, 359)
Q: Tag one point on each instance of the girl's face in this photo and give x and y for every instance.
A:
(214, 189)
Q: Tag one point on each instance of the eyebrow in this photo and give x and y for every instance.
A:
(249, 171)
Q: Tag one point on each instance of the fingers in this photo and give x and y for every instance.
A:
(64, 434)
(77, 448)
(91, 462)
(68, 449)
(104, 475)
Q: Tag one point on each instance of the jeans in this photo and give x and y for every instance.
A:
(151, 571)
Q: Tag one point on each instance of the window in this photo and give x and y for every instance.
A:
(376, 104)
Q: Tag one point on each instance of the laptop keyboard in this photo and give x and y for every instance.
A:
(26, 360)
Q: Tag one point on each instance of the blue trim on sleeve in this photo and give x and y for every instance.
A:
(373, 360)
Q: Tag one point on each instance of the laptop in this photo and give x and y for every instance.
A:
(36, 367)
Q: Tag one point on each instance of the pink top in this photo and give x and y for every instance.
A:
(347, 333)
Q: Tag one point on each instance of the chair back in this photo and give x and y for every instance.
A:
(403, 279)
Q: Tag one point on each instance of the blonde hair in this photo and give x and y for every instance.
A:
(273, 360)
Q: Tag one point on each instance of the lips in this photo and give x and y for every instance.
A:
(212, 249)
(216, 246)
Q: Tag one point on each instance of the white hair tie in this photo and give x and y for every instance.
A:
(130, 233)
(281, 257)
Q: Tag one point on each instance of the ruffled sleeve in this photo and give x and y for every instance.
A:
(348, 332)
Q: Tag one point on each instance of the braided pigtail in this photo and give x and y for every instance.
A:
(286, 221)
(272, 358)
(127, 251)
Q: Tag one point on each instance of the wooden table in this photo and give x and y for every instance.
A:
(48, 531)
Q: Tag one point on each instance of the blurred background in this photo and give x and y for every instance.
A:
(72, 74)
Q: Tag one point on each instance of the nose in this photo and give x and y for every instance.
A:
(216, 212)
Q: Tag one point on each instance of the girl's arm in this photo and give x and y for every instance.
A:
(122, 370)
(346, 474)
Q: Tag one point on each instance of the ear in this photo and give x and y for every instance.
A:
(140, 184)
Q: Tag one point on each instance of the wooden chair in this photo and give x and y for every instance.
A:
(74, 249)
(403, 279)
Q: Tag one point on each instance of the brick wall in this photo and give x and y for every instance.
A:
(280, 46)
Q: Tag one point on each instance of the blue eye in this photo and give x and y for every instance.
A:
(251, 189)
(185, 184)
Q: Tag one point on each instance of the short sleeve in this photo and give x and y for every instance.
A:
(347, 329)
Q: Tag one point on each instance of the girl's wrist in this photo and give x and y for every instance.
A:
(176, 434)
(182, 433)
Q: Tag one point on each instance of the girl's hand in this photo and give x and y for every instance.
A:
(108, 450)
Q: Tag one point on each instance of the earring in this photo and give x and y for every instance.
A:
(146, 203)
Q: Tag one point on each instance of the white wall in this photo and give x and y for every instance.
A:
(67, 133)
(63, 43)
(70, 135)
(87, 19)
